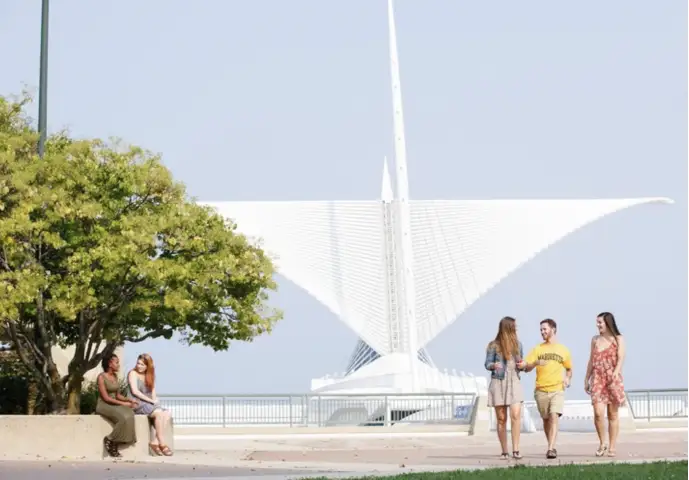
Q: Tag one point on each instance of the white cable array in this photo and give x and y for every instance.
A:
(336, 251)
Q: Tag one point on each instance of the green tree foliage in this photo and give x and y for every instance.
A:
(100, 246)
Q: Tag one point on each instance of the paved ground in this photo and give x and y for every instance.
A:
(222, 456)
(132, 471)
(472, 451)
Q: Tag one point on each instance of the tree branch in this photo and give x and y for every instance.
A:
(160, 332)
(91, 351)
(95, 336)
(76, 364)
(45, 340)
(93, 362)
(4, 260)
(21, 352)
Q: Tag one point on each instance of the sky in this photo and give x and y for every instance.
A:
(290, 100)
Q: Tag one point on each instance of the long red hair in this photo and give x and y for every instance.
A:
(506, 340)
(150, 373)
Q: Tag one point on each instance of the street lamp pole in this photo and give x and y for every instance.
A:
(43, 81)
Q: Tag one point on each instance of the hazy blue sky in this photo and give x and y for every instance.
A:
(270, 100)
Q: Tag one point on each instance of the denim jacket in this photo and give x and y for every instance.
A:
(493, 356)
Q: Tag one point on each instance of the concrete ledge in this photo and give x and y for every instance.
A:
(660, 423)
(68, 437)
(627, 423)
(480, 417)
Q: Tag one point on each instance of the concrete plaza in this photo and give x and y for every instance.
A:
(204, 456)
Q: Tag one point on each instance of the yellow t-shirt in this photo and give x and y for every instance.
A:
(549, 377)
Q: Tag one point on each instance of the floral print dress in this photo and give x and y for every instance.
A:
(604, 387)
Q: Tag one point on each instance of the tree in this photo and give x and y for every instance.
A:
(100, 246)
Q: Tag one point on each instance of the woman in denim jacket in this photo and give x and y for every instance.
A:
(504, 359)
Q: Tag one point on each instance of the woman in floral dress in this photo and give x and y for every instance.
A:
(604, 380)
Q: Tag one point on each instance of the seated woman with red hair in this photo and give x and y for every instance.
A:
(141, 380)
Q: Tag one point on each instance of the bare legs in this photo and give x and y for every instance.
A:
(501, 421)
(599, 411)
(613, 428)
(599, 422)
(160, 420)
(515, 422)
(550, 424)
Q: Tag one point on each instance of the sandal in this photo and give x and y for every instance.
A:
(611, 453)
(550, 454)
(166, 450)
(601, 450)
(516, 455)
(154, 449)
(505, 456)
(111, 448)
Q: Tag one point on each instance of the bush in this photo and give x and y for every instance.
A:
(13, 395)
(16, 387)
(89, 396)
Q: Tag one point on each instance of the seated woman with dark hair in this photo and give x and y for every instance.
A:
(114, 407)
(141, 380)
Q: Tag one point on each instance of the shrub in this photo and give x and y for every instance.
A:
(89, 396)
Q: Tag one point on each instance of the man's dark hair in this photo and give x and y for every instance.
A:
(551, 323)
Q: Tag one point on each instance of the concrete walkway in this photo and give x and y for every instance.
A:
(224, 456)
(439, 452)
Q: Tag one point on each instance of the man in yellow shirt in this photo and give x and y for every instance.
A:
(553, 364)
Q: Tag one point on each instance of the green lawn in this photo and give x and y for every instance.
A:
(618, 471)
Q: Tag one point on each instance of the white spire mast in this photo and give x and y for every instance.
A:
(407, 310)
(386, 194)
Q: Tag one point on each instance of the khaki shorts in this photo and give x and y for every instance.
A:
(550, 403)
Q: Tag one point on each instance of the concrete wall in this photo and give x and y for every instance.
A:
(480, 417)
(55, 437)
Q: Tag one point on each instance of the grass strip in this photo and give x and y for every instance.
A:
(605, 471)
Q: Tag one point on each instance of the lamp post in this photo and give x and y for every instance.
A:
(43, 81)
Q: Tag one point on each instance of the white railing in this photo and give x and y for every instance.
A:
(657, 404)
(311, 410)
(319, 410)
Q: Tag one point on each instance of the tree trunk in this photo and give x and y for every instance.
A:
(74, 396)
(32, 397)
(56, 405)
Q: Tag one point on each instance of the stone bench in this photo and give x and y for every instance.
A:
(53, 437)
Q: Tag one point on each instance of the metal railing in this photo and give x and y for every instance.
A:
(658, 404)
(320, 410)
(311, 410)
